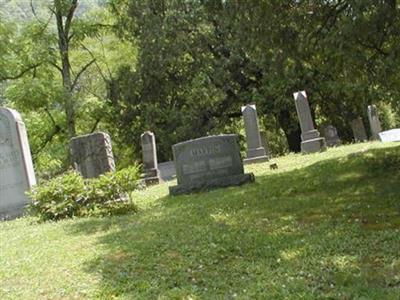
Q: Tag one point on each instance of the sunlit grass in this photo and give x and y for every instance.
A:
(322, 226)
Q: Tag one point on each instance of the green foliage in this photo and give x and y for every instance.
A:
(388, 116)
(31, 73)
(70, 195)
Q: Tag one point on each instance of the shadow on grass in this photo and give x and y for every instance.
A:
(327, 230)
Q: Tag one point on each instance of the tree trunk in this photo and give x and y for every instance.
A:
(291, 129)
(63, 45)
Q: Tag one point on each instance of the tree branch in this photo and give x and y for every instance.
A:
(81, 72)
(20, 74)
(55, 66)
(70, 16)
(50, 135)
(95, 124)
(97, 65)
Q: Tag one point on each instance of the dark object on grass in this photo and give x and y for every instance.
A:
(273, 166)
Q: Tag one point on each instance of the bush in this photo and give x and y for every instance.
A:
(70, 195)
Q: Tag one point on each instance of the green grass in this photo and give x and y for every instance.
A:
(323, 226)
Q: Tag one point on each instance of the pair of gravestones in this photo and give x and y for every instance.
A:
(357, 126)
(92, 155)
(360, 134)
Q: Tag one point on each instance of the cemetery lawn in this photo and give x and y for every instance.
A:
(322, 226)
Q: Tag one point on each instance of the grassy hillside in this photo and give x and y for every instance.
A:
(321, 226)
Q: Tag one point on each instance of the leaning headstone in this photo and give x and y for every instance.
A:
(149, 153)
(357, 126)
(92, 154)
(264, 141)
(311, 140)
(392, 135)
(331, 136)
(374, 122)
(16, 169)
(208, 162)
(255, 151)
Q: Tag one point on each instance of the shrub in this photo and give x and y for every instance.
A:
(70, 195)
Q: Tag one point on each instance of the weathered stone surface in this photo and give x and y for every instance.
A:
(92, 154)
(16, 169)
(255, 151)
(264, 141)
(392, 135)
(357, 126)
(149, 152)
(331, 136)
(374, 122)
(167, 170)
(208, 162)
(311, 140)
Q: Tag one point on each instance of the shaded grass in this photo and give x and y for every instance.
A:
(321, 226)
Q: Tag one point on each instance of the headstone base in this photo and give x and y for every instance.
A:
(151, 180)
(152, 176)
(12, 212)
(255, 152)
(255, 160)
(209, 184)
(314, 145)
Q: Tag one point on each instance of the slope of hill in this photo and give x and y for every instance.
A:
(321, 226)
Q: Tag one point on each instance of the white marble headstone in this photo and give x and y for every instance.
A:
(390, 135)
(16, 169)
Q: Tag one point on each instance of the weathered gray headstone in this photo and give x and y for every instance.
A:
(264, 141)
(374, 122)
(392, 135)
(92, 154)
(167, 170)
(208, 162)
(16, 169)
(311, 140)
(331, 136)
(149, 153)
(360, 135)
(255, 151)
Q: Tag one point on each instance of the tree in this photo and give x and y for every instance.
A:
(65, 94)
(342, 52)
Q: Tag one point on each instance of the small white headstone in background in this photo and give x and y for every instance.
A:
(390, 136)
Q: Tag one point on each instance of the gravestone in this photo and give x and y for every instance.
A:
(167, 170)
(149, 153)
(264, 141)
(374, 122)
(357, 126)
(208, 162)
(92, 154)
(255, 151)
(16, 169)
(392, 135)
(311, 140)
(331, 136)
